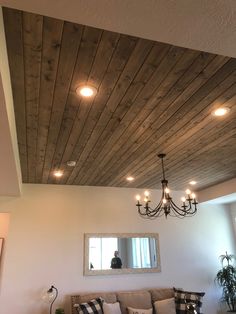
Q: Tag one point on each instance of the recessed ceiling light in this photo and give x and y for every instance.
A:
(71, 163)
(221, 111)
(193, 182)
(86, 91)
(130, 179)
(58, 173)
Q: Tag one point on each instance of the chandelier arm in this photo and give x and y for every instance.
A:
(185, 211)
(174, 213)
(177, 209)
(145, 210)
(150, 212)
(190, 209)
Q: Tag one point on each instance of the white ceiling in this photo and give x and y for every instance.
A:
(199, 24)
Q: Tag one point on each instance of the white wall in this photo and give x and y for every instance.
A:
(45, 245)
(233, 217)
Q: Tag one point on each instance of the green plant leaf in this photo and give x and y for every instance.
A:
(226, 278)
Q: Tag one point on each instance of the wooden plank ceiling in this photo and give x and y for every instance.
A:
(152, 98)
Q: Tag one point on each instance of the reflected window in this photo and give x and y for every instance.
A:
(141, 253)
(100, 252)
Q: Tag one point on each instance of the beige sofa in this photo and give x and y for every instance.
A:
(139, 299)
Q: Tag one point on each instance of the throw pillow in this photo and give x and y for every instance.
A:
(111, 308)
(165, 306)
(92, 307)
(181, 297)
(139, 311)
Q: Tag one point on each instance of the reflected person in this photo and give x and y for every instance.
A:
(116, 261)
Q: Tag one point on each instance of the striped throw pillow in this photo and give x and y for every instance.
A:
(182, 298)
(92, 307)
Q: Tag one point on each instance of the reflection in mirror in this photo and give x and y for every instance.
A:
(130, 253)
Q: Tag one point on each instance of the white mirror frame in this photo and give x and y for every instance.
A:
(89, 272)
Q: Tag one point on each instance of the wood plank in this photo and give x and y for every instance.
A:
(32, 44)
(52, 35)
(110, 119)
(180, 158)
(93, 59)
(14, 40)
(215, 173)
(84, 116)
(196, 76)
(114, 73)
(158, 76)
(164, 130)
(185, 160)
(129, 102)
(142, 145)
(69, 47)
(171, 146)
(193, 136)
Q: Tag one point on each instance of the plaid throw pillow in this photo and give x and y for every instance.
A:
(182, 297)
(92, 307)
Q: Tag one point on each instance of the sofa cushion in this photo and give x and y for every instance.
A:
(140, 299)
(111, 308)
(161, 294)
(165, 306)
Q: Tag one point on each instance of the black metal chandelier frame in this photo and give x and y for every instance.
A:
(166, 205)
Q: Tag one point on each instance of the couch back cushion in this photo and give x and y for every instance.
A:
(161, 294)
(140, 299)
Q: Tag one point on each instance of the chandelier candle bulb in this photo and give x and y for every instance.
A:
(138, 197)
(167, 191)
(193, 196)
(183, 199)
(146, 193)
(188, 192)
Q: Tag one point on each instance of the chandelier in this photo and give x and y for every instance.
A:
(166, 205)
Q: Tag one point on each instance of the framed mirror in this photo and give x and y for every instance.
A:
(121, 253)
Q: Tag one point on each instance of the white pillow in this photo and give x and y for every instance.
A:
(166, 306)
(139, 311)
(111, 308)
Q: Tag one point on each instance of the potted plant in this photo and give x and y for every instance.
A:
(226, 278)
